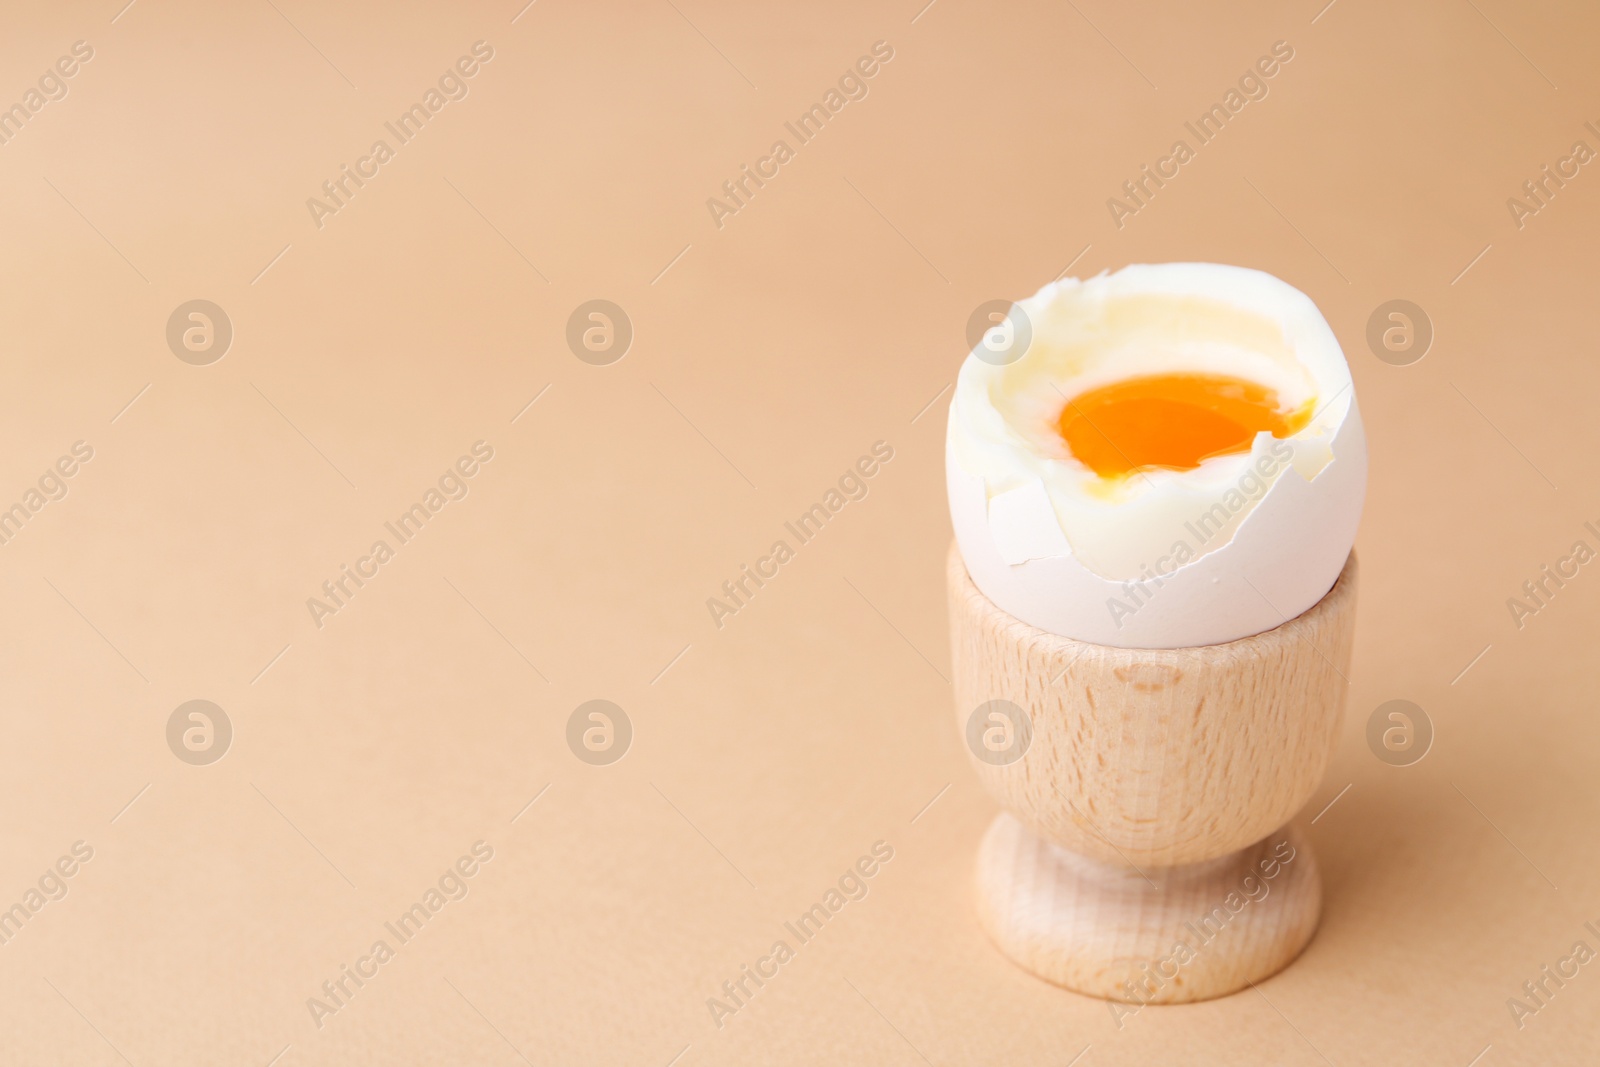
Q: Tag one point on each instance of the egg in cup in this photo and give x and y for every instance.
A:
(1155, 478)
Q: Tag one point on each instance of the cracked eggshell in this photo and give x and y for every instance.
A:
(1278, 555)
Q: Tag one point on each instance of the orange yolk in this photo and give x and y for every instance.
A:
(1171, 420)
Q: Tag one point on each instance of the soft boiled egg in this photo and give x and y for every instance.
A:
(1163, 457)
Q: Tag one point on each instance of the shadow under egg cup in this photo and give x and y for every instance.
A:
(1144, 853)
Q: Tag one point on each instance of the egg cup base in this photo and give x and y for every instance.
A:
(1169, 935)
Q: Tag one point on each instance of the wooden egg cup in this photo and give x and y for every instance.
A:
(1144, 853)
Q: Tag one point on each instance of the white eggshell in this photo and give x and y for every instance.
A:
(1283, 559)
(1280, 560)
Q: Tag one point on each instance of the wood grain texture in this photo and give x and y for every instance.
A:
(1158, 756)
(1152, 936)
(1144, 854)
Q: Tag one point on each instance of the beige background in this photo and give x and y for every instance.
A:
(825, 316)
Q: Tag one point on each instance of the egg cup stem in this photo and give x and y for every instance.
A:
(1144, 854)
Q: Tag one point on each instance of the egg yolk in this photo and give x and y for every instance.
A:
(1173, 421)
